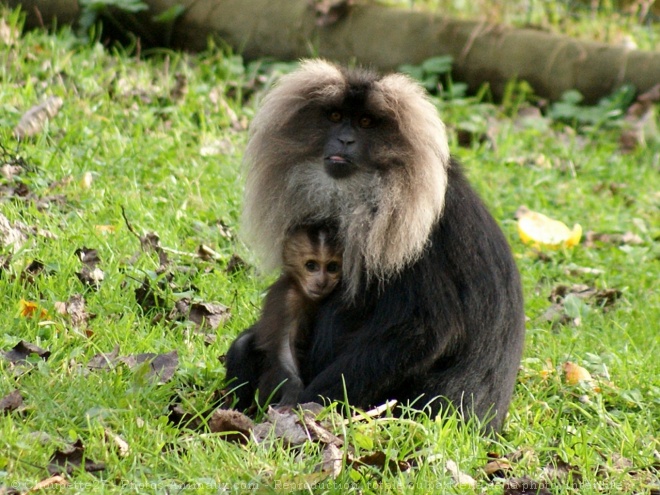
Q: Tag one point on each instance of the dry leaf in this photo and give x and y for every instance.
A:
(12, 235)
(236, 264)
(332, 461)
(380, 460)
(121, 444)
(105, 229)
(148, 298)
(575, 374)
(558, 470)
(180, 89)
(75, 309)
(205, 315)
(497, 468)
(282, 424)
(161, 366)
(22, 351)
(71, 458)
(104, 361)
(459, 477)
(208, 254)
(33, 120)
(602, 297)
(525, 486)
(235, 425)
(320, 434)
(90, 274)
(51, 482)
(8, 34)
(627, 238)
(11, 402)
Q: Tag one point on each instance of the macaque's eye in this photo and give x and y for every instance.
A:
(311, 266)
(366, 121)
(335, 116)
(333, 267)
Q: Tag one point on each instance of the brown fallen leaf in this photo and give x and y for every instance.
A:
(183, 419)
(90, 274)
(11, 402)
(73, 457)
(318, 433)
(459, 477)
(150, 242)
(51, 482)
(9, 490)
(12, 235)
(208, 254)
(180, 89)
(236, 264)
(32, 271)
(22, 351)
(591, 239)
(281, 424)
(161, 366)
(148, 297)
(333, 461)
(74, 308)
(33, 120)
(122, 446)
(203, 314)
(526, 486)
(380, 460)
(103, 361)
(559, 470)
(602, 297)
(234, 425)
(497, 468)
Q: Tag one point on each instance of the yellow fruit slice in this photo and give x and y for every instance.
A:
(541, 231)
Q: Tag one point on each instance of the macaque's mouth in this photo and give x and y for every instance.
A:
(336, 159)
(314, 296)
(338, 166)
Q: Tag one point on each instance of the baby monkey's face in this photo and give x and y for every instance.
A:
(313, 257)
(320, 274)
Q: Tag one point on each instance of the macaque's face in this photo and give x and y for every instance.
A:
(315, 261)
(319, 275)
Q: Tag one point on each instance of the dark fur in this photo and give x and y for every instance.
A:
(451, 326)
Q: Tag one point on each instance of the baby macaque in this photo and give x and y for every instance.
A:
(312, 263)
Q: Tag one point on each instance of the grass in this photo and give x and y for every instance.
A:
(172, 163)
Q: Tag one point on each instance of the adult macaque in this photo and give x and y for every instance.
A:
(429, 310)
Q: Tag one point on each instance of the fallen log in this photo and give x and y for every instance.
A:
(386, 37)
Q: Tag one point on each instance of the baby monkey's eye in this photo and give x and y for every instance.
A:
(311, 266)
(333, 267)
(335, 116)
